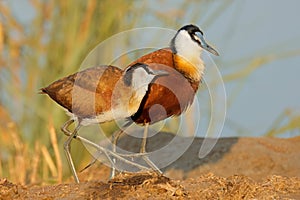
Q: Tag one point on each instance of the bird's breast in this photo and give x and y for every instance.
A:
(167, 96)
(172, 94)
(191, 68)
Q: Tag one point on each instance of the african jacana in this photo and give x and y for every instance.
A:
(100, 94)
(173, 93)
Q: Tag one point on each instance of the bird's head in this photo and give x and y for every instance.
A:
(189, 41)
(141, 75)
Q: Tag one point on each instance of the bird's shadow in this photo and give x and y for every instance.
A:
(170, 151)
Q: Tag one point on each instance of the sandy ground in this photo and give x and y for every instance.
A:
(237, 168)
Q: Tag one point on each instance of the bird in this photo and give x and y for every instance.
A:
(100, 94)
(171, 95)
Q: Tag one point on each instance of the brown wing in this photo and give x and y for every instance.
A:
(77, 92)
(168, 95)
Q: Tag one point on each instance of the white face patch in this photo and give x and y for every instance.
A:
(186, 46)
(141, 78)
(189, 49)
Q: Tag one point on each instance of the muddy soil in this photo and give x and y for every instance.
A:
(237, 168)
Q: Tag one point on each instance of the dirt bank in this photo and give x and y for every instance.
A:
(237, 168)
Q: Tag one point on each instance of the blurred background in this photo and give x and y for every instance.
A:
(41, 41)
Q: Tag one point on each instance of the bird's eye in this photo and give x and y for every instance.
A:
(199, 37)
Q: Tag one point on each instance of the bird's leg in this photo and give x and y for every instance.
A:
(143, 150)
(108, 152)
(115, 137)
(67, 148)
(144, 140)
(65, 126)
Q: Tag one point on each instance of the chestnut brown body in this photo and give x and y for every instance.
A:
(169, 95)
(78, 92)
(103, 93)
